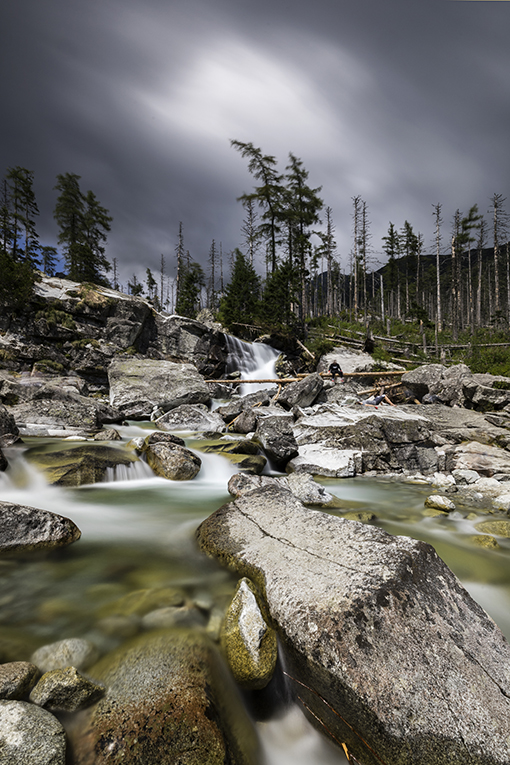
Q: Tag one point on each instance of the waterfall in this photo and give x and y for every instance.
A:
(133, 472)
(255, 361)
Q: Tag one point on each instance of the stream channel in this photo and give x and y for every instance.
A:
(138, 532)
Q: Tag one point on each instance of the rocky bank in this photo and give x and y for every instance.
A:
(348, 604)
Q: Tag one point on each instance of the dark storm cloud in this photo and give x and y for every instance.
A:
(405, 103)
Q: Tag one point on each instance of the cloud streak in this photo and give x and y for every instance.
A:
(403, 103)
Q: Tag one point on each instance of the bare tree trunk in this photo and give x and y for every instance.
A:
(437, 212)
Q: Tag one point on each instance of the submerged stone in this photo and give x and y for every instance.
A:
(499, 528)
(170, 699)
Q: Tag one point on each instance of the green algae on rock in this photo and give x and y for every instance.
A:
(247, 640)
(78, 465)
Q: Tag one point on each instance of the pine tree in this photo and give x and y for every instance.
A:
(250, 231)
(134, 286)
(192, 280)
(241, 302)
(278, 297)
(24, 210)
(49, 258)
(96, 223)
(303, 205)
(83, 225)
(269, 195)
(392, 249)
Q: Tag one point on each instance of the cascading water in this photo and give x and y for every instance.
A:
(255, 361)
(138, 532)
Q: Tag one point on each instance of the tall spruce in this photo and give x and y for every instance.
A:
(83, 226)
(302, 207)
(191, 282)
(241, 302)
(23, 212)
(268, 195)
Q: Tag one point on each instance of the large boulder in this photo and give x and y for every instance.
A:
(458, 386)
(172, 461)
(252, 401)
(301, 393)
(487, 392)
(485, 460)
(423, 380)
(28, 528)
(181, 338)
(81, 464)
(275, 435)
(194, 417)
(7, 423)
(362, 438)
(138, 386)
(385, 648)
(169, 700)
(69, 413)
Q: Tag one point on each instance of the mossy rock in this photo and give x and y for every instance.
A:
(485, 540)
(247, 640)
(141, 602)
(170, 699)
(79, 465)
(243, 453)
(498, 528)
(363, 516)
(227, 447)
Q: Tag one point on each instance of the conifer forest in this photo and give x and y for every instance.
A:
(447, 298)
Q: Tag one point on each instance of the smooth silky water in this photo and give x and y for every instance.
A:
(138, 532)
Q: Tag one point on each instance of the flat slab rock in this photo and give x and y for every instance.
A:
(376, 631)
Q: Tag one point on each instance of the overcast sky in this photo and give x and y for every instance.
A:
(403, 102)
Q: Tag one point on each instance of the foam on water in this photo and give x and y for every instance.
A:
(255, 361)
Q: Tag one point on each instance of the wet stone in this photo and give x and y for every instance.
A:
(17, 678)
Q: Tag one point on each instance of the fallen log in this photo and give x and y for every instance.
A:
(280, 380)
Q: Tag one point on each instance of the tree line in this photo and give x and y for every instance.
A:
(83, 225)
(286, 270)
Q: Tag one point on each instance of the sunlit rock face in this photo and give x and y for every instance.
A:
(138, 386)
(385, 648)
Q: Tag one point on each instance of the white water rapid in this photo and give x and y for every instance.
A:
(255, 361)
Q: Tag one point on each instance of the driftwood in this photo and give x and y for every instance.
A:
(283, 380)
(305, 348)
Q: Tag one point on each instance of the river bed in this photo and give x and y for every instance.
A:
(138, 532)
